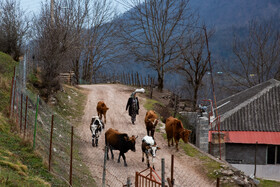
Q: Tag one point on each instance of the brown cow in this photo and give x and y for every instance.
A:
(174, 129)
(151, 121)
(119, 141)
(101, 109)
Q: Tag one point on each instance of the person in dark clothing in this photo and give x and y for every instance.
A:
(133, 105)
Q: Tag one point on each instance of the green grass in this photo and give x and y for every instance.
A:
(7, 65)
(19, 165)
(149, 104)
(209, 165)
(268, 183)
(71, 103)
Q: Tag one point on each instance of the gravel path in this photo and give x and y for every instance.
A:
(186, 172)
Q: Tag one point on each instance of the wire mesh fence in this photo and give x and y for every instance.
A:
(33, 119)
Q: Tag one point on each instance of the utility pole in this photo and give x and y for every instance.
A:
(52, 12)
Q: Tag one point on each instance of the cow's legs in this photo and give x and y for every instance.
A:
(112, 155)
(92, 141)
(177, 145)
(119, 159)
(105, 118)
(125, 164)
(172, 142)
(148, 132)
(96, 142)
(143, 156)
(148, 161)
(152, 133)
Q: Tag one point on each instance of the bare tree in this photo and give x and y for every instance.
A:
(99, 44)
(13, 28)
(257, 56)
(58, 40)
(194, 62)
(152, 30)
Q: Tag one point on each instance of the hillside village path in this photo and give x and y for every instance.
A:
(186, 171)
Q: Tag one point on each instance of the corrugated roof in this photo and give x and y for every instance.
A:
(250, 137)
(254, 109)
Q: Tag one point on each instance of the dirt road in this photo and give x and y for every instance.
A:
(115, 96)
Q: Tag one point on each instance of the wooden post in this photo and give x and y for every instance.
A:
(132, 79)
(255, 170)
(71, 155)
(172, 169)
(218, 182)
(50, 150)
(25, 116)
(11, 96)
(162, 173)
(136, 179)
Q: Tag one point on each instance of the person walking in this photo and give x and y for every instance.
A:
(133, 107)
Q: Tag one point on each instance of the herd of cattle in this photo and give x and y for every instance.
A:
(116, 140)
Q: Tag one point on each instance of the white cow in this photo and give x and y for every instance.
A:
(149, 148)
(96, 127)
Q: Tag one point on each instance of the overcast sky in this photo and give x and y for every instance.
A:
(33, 6)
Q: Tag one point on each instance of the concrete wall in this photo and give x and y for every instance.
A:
(245, 153)
(214, 145)
(202, 130)
(271, 172)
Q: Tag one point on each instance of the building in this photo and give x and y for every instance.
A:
(251, 116)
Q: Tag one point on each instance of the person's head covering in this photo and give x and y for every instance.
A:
(133, 94)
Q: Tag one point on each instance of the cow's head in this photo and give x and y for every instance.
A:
(96, 124)
(154, 122)
(153, 149)
(131, 142)
(185, 135)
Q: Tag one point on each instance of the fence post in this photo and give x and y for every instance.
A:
(136, 179)
(21, 98)
(71, 155)
(104, 166)
(255, 170)
(162, 173)
(14, 97)
(50, 152)
(11, 96)
(25, 116)
(35, 125)
(128, 182)
(172, 169)
(218, 182)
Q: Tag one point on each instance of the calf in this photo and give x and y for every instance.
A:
(115, 140)
(96, 127)
(101, 110)
(174, 129)
(149, 148)
(151, 122)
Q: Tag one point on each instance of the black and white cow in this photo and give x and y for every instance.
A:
(149, 148)
(96, 127)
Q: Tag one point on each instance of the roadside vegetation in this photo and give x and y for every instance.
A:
(20, 165)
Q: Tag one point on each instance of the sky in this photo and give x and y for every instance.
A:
(34, 6)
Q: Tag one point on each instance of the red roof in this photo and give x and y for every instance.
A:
(250, 137)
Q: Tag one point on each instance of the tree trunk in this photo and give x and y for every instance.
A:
(160, 82)
(195, 98)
